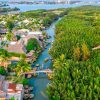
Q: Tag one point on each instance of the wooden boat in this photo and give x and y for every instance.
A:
(30, 88)
(31, 96)
(29, 76)
(37, 65)
(46, 60)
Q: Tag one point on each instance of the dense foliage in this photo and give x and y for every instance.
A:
(10, 24)
(4, 53)
(8, 9)
(76, 64)
(47, 16)
(33, 44)
(24, 81)
(2, 71)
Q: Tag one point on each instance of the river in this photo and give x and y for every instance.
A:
(40, 83)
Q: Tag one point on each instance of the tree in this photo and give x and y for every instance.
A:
(12, 98)
(2, 71)
(22, 67)
(10, 25)
(76, 72)
(33, 44)
(24, 81)
(9, 36)
(86, 52)
(4, 57)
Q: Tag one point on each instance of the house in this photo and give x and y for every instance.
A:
(29, 56)
(3, 31)
(21, 32)
(15, 90)
(9, 90)
(26, 38)
(2, 93)
(16, 47)
(26, 22)
(2, 78)
(5, 63)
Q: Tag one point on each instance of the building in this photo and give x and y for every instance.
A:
(21, 32)
(9, 90)
(16, 47)
(3, 31)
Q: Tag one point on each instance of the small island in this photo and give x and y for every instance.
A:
(7, 10)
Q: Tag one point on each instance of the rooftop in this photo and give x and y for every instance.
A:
(3, 31)
(2, 78)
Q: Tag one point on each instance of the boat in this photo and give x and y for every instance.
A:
(28, 96)
(46, 60)
(37, 65)
(31, 88)
(29, 76)
(31, 96)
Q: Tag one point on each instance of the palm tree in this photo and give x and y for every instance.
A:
(22, 67)
(9, 36)
(4, 58)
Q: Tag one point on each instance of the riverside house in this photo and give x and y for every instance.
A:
(9, 90)
(19, 46)
(3, 31)
(16, 47)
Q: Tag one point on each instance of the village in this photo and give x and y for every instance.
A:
(22, 39)
(15, 35)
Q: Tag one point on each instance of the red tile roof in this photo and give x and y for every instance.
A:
(12, 86)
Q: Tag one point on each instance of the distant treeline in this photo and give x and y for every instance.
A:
(8, 9)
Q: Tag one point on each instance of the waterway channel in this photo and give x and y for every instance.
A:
(42, 81)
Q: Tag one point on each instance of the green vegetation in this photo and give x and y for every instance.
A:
(10, 25)
(33, 44)
(2, 71)
(22, 67)
(8, 9)
(47, 17)
(4, 53)
(32, 20)
(12, 98)
(18, 71)
(76, 65)
(24, 81)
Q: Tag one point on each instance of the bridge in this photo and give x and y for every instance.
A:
(48, 71)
